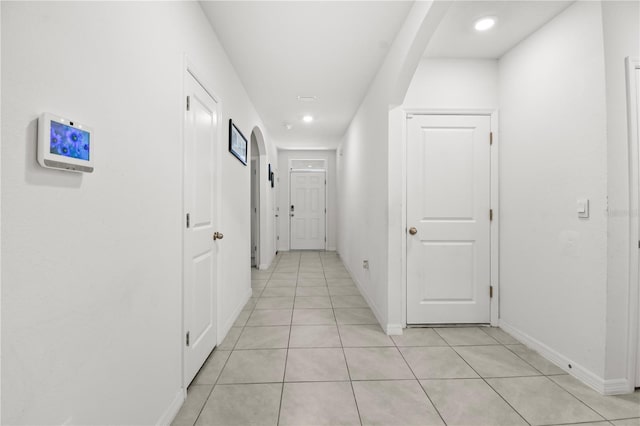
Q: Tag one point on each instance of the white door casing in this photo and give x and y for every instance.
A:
(200, 263)
(255, 205)
(448, 204)
(307, 216)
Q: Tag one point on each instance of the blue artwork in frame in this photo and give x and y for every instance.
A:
(237, 143)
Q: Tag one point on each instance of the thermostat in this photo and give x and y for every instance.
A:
(65, 144)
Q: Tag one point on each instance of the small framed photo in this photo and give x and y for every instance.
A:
(237, 143)
(272, 179)
(269, 172)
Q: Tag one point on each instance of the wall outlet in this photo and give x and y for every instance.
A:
(365, 264)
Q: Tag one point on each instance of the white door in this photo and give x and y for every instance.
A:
(200, 250)
(307, 210)
(448, 202)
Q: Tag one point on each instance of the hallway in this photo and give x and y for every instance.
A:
(307, 350)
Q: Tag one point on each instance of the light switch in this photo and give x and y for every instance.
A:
(583, 208)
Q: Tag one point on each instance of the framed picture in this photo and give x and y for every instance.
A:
(269, 176)
(272, 178)
(237, 143)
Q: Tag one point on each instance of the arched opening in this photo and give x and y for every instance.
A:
(259, 180)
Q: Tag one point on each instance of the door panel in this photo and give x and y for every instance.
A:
(308, 216)
(448, 202)
(200, 251)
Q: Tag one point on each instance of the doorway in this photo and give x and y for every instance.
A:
(448, 249)
(255, 202)
(307, 209)
(200, 245)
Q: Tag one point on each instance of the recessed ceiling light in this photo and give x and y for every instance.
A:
(307, 98)
(288, 126)
(483, 24)
(307, 119)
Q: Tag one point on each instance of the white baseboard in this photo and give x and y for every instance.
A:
(222, 331)
(617, 387)
(581, 373)
(263, 266)
(331, 249)
(390, 329)
(173, 408)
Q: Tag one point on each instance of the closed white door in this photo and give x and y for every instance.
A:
(448, 224)
(307, 210)
(200, 249)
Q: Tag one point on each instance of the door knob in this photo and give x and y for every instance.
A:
(217, 236)
(413, 230)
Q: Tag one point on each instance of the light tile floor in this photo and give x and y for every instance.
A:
(307, 350)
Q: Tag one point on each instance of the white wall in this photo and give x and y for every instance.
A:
(91, 264)
(282, 187)
(553, 269)
(621, 39)
(368, 205)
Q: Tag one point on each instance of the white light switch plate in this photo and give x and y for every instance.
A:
(583, 208)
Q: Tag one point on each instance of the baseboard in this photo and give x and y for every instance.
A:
(391, 329)
(263, 266)
(234, 316)
(173, 408)
(331, 249)
(581, 373)
(617, 387)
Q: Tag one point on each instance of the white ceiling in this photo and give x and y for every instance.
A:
(456, 37)
(328, 49)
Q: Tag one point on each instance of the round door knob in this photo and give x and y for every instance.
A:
(217, 236)
(413, 230)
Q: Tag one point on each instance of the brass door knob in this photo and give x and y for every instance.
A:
(217, 236)
(413, 230)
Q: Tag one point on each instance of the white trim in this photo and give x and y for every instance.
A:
(172, 410)
(633, 340)
(190, 68)
(263, 266)
(495, 201)
(597, 383)
(234, 316)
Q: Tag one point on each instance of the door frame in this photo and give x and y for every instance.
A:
(495, 202)
(632, 64)
(189, 68)
(255, 182)
(291, 170)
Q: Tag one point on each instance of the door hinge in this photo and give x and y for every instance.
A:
(490, 214)
(188, 103)
(188, 338)
(490, 138)
(188, 220)
(490, 291)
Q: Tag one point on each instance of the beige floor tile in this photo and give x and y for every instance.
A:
(211, 369)
(346, 290)
(279, 292)
(248, 404)
(436, 363)
(312, 282)
(313, 317)
(313, 302)
(627, 422)
(316, 364)
(254, 366)
(230, 340)
(355, 316)
(500, 335)
(349, 302)
(398, 403)
(419, 337)
(329, 403)
(275, 303)
(336, 273)
(610, 407)
(470, 402)
(542, 402)
(377, 364)
(243, 316)
(363, 336)
(311, 276)
(339, 282)
(271, 337)
(495, 361)
(196, 397)
(270, 317)
(312, 291)
(459, 336)
(314, 336)
(281, 283)
(537, 361)
(284, 276)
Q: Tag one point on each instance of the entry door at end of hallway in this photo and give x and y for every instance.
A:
(307, 210)
(448, 219)
(200, 226)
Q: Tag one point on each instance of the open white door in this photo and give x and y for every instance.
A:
(448, 202)
(307, 210)
(200, 250)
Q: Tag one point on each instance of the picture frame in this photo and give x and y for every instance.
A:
(269, 173)
(272, 178)
(237, 143)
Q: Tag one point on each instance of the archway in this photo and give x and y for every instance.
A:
(259, 213)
